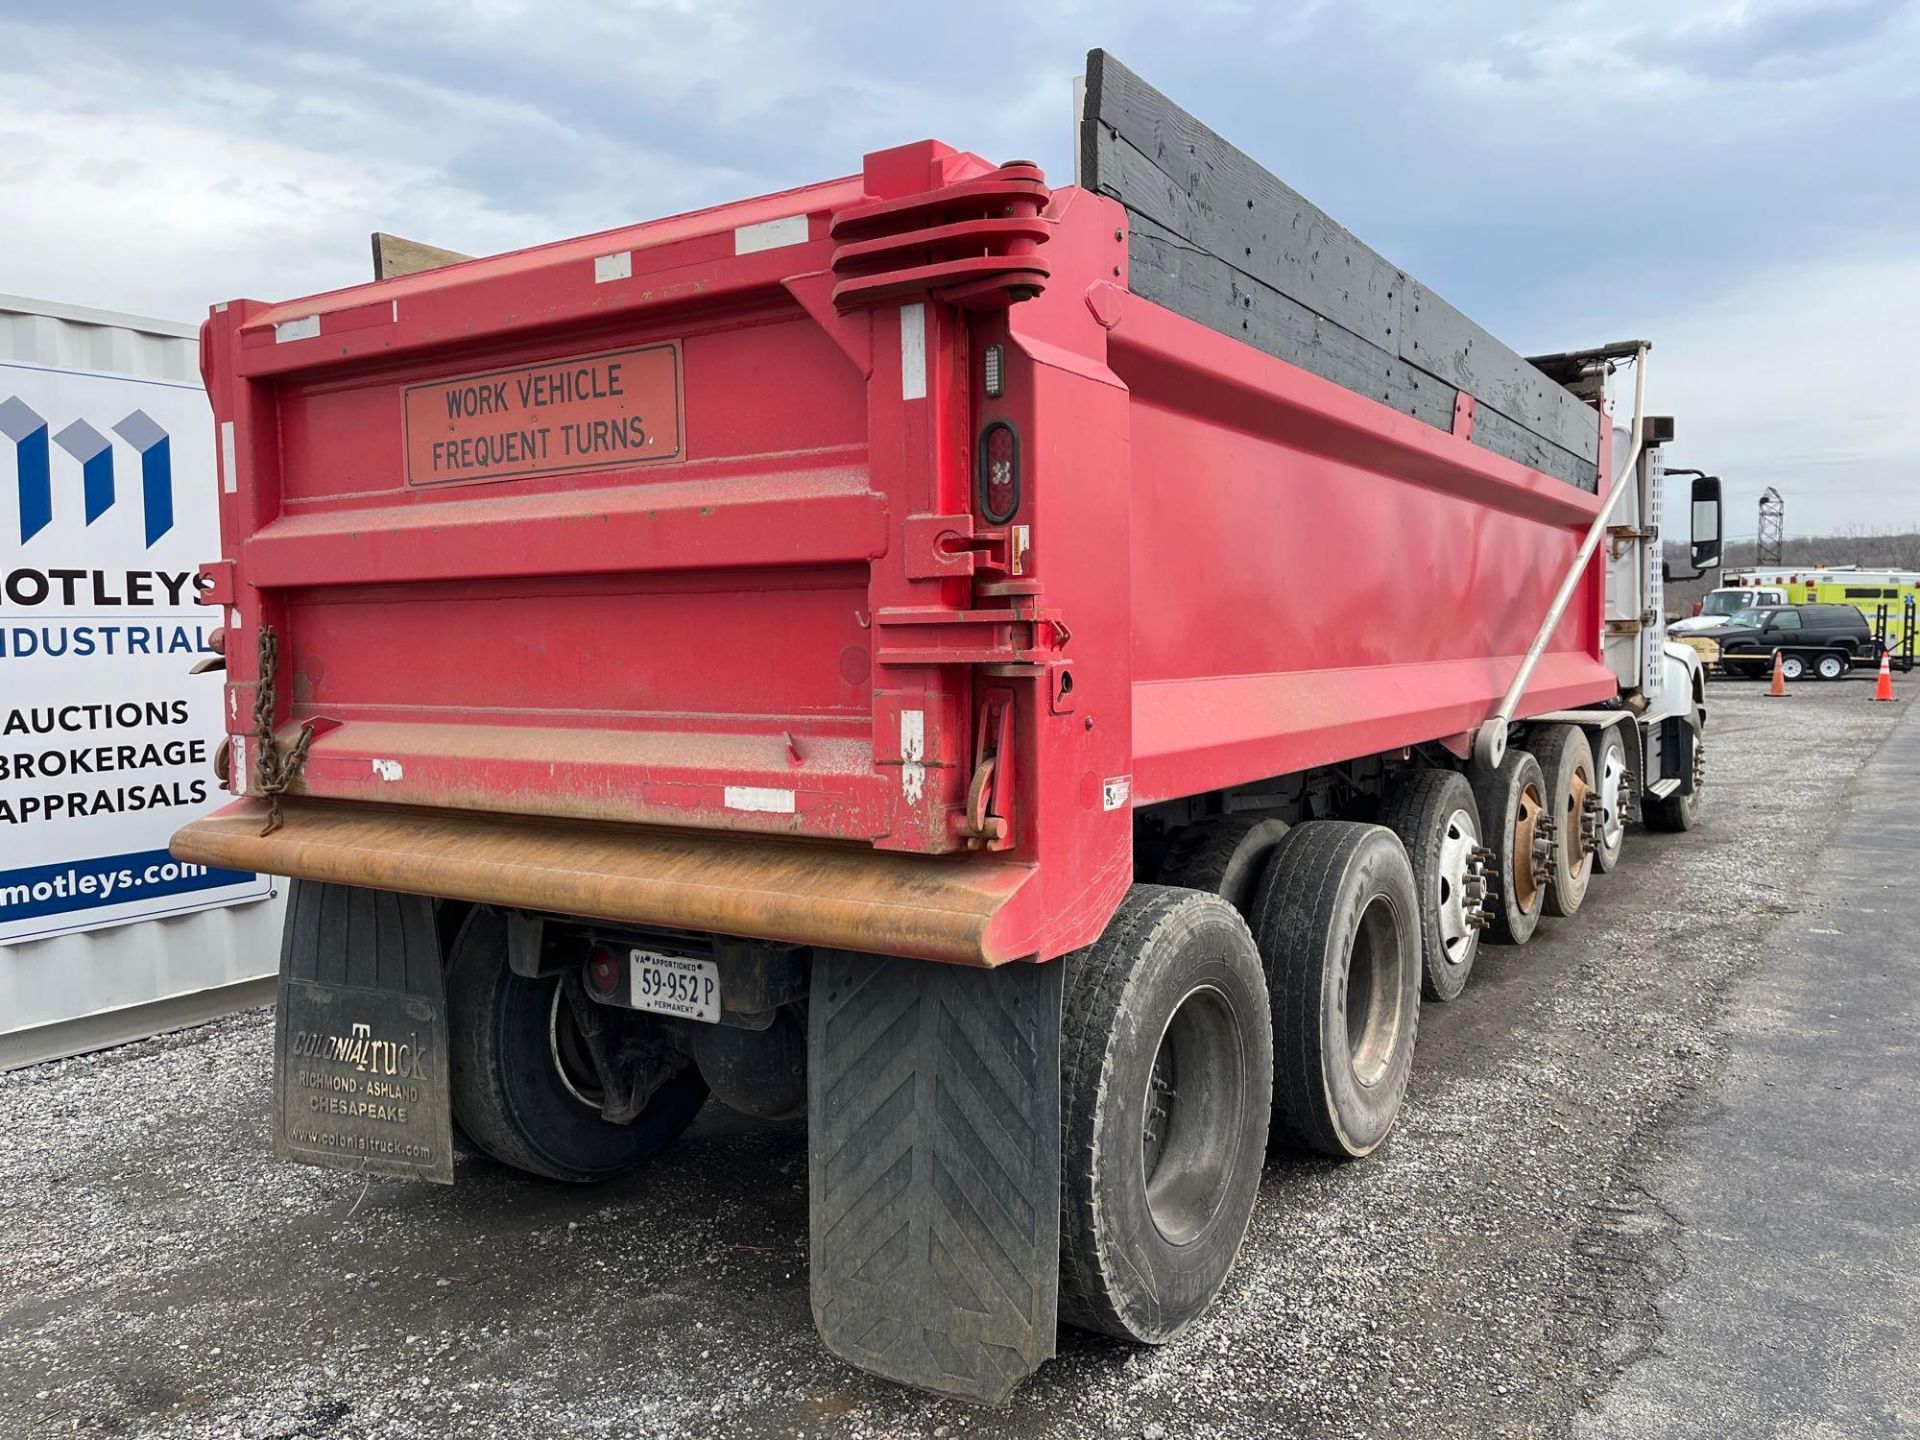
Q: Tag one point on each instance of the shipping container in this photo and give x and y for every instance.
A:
(83, 488)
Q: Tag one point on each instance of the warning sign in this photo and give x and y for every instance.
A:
(581, 414)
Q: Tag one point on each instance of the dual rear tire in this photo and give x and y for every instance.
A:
(1171, 1076)
(1167, 1077)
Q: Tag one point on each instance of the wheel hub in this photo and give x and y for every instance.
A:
(1463, 886)
(1583, 819)
(1478, 891)
(1532, 847)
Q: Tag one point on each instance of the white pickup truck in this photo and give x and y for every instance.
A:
(1723, 608)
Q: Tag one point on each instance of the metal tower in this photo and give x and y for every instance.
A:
(1773, 528)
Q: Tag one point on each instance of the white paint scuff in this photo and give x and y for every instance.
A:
(913, 352)
(770, 235)
(388, 770)
(766, 799)
(913, 754)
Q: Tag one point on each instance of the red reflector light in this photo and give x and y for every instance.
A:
(998, 481)
(603, 971)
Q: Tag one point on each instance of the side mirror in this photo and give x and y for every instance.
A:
(1706, 522)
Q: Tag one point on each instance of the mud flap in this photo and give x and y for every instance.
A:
(360, 1061)
(934, 1102)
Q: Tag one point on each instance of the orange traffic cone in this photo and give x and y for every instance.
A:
(1779, 686)
(1883, 687)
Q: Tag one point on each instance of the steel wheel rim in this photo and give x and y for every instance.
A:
(1459, 838)
(1831, 668)
(568, 1051)
(1573, 834)
(1526, 885)
(1613, 810)
(1791, 668)
(1190, 1119)
(1373, 999)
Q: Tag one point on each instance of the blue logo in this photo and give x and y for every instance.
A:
(33, 459)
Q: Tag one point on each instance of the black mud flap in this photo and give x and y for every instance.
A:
(934, 1132)
(360, 1066)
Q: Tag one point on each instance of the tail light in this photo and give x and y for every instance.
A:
(998, 481)
(603, 971)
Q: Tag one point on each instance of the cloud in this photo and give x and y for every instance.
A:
(1565, 174)
(1798, 379)
(164, 203)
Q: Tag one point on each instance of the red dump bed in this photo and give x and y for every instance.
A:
(877, 515)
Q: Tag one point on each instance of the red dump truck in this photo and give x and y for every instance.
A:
(1039, 678)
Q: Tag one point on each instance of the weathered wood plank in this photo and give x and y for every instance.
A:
(1181, 175)
(1166, 270)
(1443, 342)
(394, 255)
(1299, 278)
(1504, 436)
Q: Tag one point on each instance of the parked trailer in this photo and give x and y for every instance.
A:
(850, 651)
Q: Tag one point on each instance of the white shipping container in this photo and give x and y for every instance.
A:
(107, 465)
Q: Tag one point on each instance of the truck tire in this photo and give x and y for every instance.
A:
(1338, 924)
(1615, 777)
(1676, 813)
(1512, 797)
(1566, 765)
(1831, 666)
(1434, 814)
(1223, 855)
(1166, 1064)
(1792, 667)
(518, 1093)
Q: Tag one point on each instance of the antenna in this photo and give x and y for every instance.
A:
(1771, 537)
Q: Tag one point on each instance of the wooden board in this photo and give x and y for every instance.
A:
(394, 255)
(1217, 238)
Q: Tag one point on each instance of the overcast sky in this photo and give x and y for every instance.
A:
(1735, 181)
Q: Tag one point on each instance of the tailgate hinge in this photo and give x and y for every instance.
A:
(988, 822)
(939, 546)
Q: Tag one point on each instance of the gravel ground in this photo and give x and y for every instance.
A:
(1490, 1272)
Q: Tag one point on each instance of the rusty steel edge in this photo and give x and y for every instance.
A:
(836, 897)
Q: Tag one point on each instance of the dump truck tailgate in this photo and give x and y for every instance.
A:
(673, 529)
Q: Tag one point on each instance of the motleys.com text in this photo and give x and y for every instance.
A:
(75, 883)
(86, 883)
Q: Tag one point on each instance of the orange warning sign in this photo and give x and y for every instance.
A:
(591, 413)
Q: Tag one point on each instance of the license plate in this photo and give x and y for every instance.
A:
(675, 985)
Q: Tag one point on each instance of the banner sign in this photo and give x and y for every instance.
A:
(108, 504)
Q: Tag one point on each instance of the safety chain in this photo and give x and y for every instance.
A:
(274, 770)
